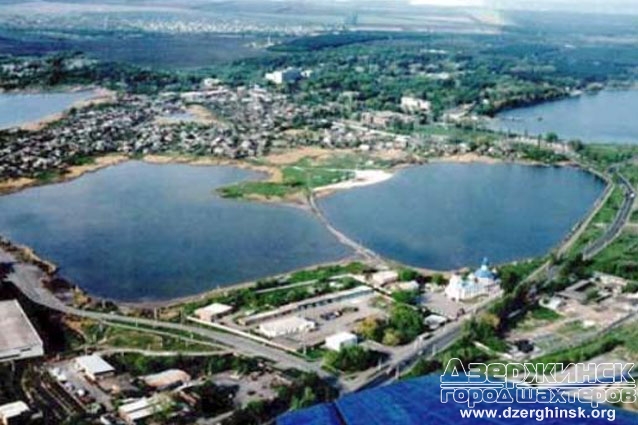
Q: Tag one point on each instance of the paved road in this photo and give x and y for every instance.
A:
(619, 221)
(27, 278)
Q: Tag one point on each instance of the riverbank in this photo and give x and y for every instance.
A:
(100, 96)
(101, 162)
(70, 173)
(366, 177)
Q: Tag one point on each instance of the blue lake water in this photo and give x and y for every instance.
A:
(607, 116)
(139, 231)
(21, 108)
(444, 216)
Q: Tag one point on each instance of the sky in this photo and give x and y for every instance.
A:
(598, 6)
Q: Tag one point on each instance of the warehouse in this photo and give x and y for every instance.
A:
(168, 379)
(212, 311)
(94, 367)
(336, 297)
(143, 408)
(287, 326)
(18, 339)
(341, 340)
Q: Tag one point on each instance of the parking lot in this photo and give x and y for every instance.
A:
(75, 384)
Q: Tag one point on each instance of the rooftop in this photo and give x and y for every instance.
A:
(166, 378)
(341, 337)
(94, 364)
(418, 402)
(17, 331)
(12, 410)
(214, 309)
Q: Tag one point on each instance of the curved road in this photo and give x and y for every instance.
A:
(28, 279)
(619, 222)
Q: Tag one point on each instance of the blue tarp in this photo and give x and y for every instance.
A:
(418, 402)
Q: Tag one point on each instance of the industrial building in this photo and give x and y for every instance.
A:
(168, 379)
(383, 278)
(212, 311)
(341, 340)
(413, 104)
(291, 308)
(94, 367)
(286, 326)
(18, 339)
(288, 75)
(142, 408)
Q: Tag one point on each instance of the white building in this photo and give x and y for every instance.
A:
(18, 338)
(94, 367)
(286, 326)
(553, 303)
(288, 75)
(212, 311)
(13, 412)
(482, 282)
(412, 285)
(347, 295)
(413, 104)
(142, 408)
(341, 340)
(383, 278)
(209, 83)
(434, 321)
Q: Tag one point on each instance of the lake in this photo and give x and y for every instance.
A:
(22, 108)
(607, 116)
(141, 231)
(445, 216)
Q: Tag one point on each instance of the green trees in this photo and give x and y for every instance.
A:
(371, 328)
(406, 275)
(215, 399)
(405, 297)
(407, 321)
(350, 359)
(551, 137)
(403, 326)
(306, 399)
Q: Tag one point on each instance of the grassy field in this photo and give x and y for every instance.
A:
(602, 156)
(544, 314)
(302, 176)
(619, 258)
(600, 221)
(116, 336)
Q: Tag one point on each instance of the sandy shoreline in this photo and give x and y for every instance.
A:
(100, 96)
(362, 178)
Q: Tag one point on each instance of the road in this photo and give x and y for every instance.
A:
(345, 240)
(27, 278)
(619, 221)
(405, 357)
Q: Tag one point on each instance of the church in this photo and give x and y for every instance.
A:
(482, 282)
